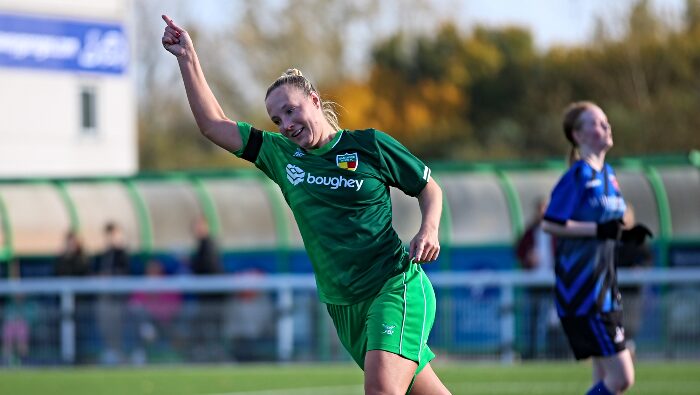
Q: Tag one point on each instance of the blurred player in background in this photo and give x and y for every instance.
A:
(337, 185)
(585, 214)
(535, 252)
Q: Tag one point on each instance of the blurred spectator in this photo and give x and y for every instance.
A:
(19, 315)
(535, 248)
(535, 252)
(72, 261)
(151, 314)
(632, 255)
(202, 319)
(205, 259)
(114, 260)
(249, 323)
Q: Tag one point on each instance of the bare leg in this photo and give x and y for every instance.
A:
(618, 371)
(387, 373)
(598, 372)
(428, 383)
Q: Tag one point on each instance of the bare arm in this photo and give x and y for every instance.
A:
(570, 228)
(210, 118)
(425, 246)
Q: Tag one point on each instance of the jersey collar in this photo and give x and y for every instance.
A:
(328, 146)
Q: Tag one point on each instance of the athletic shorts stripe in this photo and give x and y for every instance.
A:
(601, 335)
(405, 308)
(425, 312)
(398, 319)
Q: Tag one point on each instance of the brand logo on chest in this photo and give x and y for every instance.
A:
(297, 175)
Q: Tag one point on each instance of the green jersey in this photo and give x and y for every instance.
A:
(339, 195)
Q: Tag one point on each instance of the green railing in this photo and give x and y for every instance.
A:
(647, 166)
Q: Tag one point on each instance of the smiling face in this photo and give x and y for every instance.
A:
(592, 131)
(297, 116)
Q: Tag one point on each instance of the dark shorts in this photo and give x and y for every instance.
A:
(599, 335)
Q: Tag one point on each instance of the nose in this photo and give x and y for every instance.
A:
(287, 126)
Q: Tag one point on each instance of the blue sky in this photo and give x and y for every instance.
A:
(551, 21)
(557, 21)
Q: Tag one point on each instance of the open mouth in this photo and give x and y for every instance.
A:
(296, 133)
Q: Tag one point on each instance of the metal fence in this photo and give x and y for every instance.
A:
(481, 315)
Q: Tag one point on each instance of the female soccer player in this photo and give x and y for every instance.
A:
(584, 214)
(337, 185)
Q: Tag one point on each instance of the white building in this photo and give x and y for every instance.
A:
(67, 101)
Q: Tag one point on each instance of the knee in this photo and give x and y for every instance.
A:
(627, 383)
(622, 383)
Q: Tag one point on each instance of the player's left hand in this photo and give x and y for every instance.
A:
(425, 246)
(637, 235)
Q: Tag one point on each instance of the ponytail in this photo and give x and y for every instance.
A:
(571, 122)
(573, 155)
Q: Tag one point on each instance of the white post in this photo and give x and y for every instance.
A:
(67, 326)
(285, 325)
(507, 324)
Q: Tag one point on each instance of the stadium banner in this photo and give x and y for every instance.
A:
(33, 42)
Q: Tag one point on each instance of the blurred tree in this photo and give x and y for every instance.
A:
(167, 131)
(445, 93)
(263, 38)
(692, 15)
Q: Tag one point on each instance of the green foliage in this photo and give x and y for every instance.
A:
(512, 96)
(447, 94)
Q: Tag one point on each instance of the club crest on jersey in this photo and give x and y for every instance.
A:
(347, 161)
(613, 181)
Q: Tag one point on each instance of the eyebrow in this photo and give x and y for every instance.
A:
(284, 106)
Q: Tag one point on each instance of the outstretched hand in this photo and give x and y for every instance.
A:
(636, 235)
(175, 39)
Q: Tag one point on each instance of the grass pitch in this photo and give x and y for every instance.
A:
(666, 378)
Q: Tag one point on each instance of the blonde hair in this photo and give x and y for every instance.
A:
(572, 122)
(295, 78)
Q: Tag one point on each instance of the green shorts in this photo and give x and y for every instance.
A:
(398, 319)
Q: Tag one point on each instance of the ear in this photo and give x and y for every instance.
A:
(315, 99)
(576, 135)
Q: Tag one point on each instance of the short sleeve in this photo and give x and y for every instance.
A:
(246, 152)
(565, 197)
(253, 148)
(399, 167)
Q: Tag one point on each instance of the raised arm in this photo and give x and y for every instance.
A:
(425, 246)
(613, 229)
(570, 228)
(210, 118)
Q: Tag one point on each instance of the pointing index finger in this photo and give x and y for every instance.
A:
(170, 23)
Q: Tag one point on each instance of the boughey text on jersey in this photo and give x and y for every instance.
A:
(296, 175)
